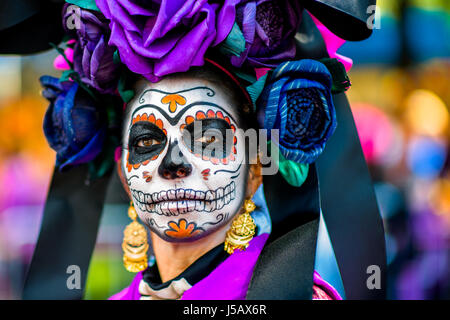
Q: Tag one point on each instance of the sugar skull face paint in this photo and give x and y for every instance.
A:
(183, 159)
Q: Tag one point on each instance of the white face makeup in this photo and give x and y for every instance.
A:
(186, 176)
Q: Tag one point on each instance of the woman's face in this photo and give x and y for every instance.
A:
(184, 157)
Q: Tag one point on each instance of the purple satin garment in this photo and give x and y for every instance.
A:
(218, 285)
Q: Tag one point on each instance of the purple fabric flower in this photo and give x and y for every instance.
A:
(73, 125)
(269, 27)
(93, 57)
(156, 38)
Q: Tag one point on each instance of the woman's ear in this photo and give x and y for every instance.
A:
(254, 179)
(122, 177)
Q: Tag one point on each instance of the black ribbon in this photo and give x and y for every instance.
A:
(284, 270)
(350, 209)
(348, 200)
(67, 236)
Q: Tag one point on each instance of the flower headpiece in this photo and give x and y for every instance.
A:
(110, 39)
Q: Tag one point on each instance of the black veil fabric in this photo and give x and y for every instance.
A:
(350, 208)
(69, 230)
(73, 209)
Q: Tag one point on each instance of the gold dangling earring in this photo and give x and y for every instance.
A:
(134, 244)
(242, 229)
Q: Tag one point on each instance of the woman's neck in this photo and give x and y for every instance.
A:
(174, 257)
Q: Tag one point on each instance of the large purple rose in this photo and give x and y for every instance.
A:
(269, 27)
(155, 38)
(74, 125)
(297, 101)
(93, 57)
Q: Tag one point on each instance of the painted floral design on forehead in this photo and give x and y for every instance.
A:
(173, 100)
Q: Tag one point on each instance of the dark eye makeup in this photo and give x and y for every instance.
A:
(211, 140)
(145, 141)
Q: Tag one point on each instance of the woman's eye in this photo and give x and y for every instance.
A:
(207, 139)
(147, 142)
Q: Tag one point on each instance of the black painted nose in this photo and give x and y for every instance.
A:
(174, 165)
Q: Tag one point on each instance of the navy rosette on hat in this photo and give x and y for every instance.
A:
(73, 125)
(297, 101)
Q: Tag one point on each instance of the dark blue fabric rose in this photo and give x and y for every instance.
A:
(73, 125)
(297, 101)
(93, 57)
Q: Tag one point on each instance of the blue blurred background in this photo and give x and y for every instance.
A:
(400, 99)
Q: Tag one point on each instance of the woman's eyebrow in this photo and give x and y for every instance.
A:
(174, 120)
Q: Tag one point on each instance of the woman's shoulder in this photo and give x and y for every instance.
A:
(322, 290)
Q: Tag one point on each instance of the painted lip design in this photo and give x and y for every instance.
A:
(180, 201)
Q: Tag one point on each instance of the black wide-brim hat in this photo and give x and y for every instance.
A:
(284, 270)
(28, 27)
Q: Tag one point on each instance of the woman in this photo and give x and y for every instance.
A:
(184, 139)
(188, 198)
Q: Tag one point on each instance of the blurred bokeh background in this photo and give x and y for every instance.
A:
(400, 99)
